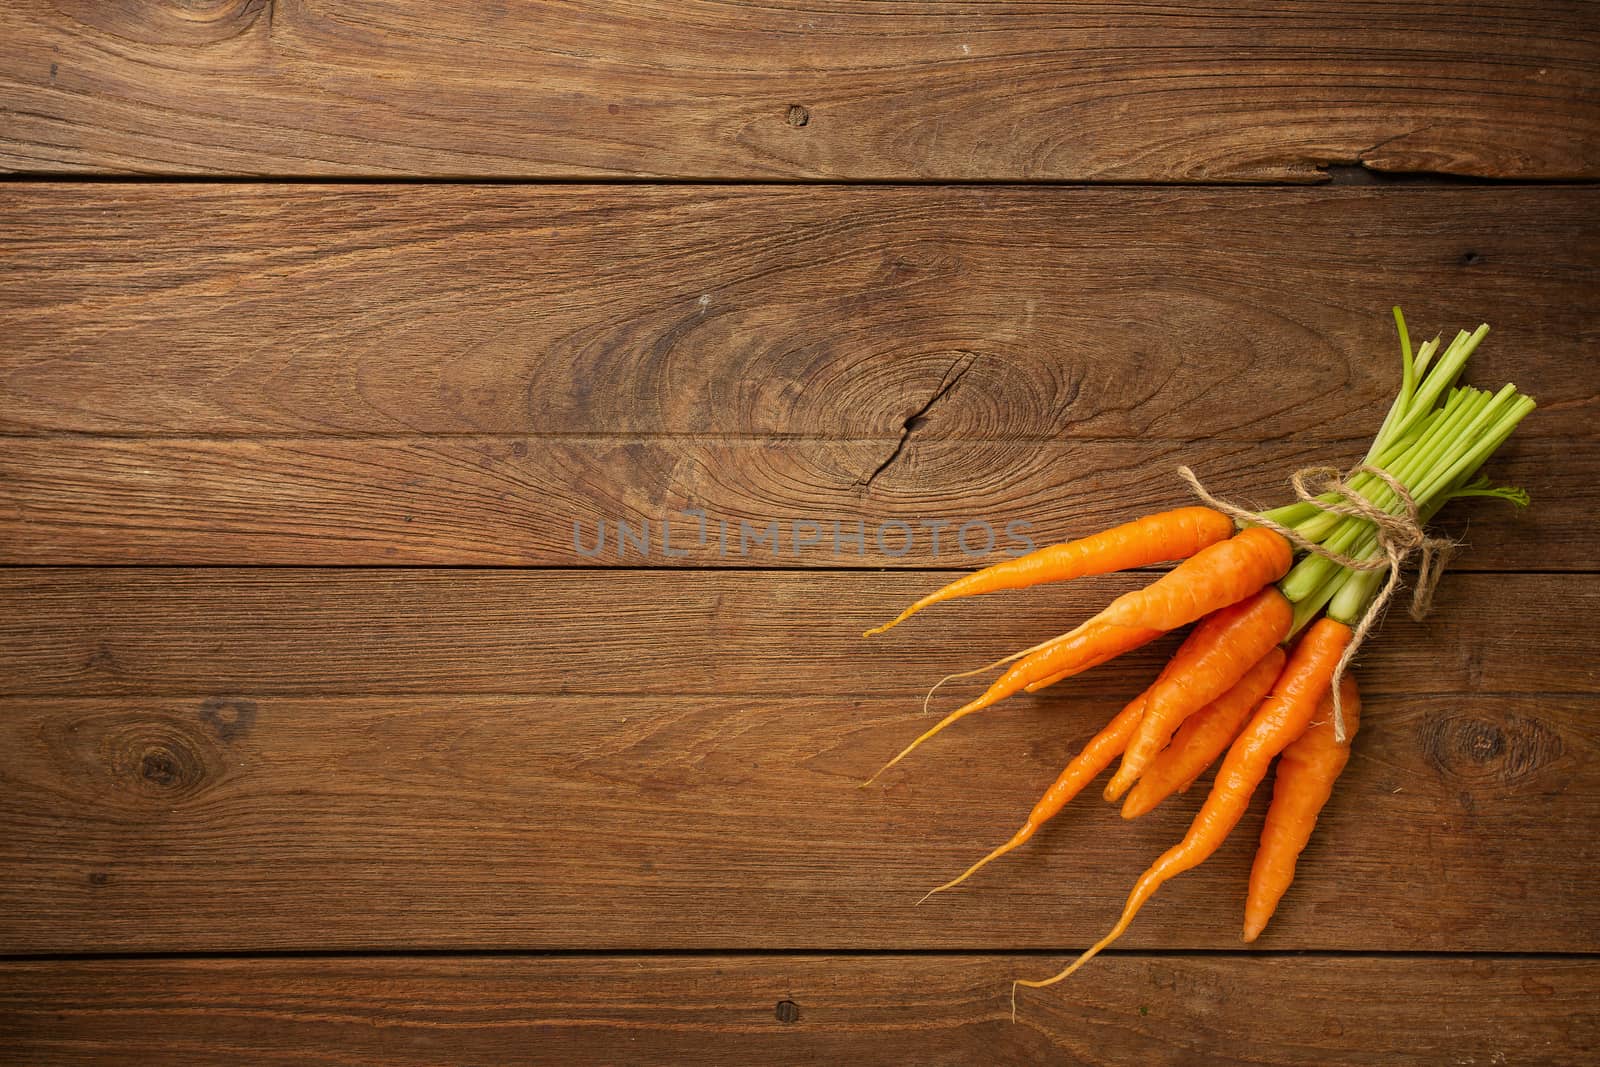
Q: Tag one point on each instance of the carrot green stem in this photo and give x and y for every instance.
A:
(1433, 439)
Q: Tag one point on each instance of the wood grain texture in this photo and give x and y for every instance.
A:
(1261, 91)
(840, 313)
(580, 502)
(799, 1010)
(154, 630)
(244, 821)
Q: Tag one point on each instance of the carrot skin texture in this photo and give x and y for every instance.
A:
(1307, 770)
(1210, 662)
(1280, 719)
(1078, 652)
(1203, 737)
(1105, 644)
(1198, 586)
(1216, 576)
(1158, 538)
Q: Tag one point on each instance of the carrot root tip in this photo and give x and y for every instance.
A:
(1114, 791)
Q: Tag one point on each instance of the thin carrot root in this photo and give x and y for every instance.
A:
(1001, 662)
(960, 713)
(1018, 839)
(1095, 757)
(1076, 652)
(1172, 863)
(1116, 932)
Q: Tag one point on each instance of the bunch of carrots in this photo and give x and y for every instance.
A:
(1277, 598)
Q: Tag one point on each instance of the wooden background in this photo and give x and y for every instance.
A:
(322, 324)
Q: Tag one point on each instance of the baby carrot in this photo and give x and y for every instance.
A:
(1216, 576)
(1210, 662)
(1203, 737)
(1204, 583)
(1167, 535)
(1282, 717)
(1306, 773)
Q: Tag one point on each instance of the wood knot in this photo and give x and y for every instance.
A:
(788, 1011)
(159, 764)
(158, 759)
(798, 115)
(1504, 751)
(135, 759)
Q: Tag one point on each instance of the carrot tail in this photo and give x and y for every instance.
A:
(1071, 653)
(1019, 838)
(1146, 887)
(988, 699)
(927, 601)
(1095, 757)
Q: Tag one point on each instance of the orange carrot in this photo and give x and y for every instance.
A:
(1306, 773)
(1095, 757)
(1046, 683)
(1282, 717)
(1216, 576)
(1203, 737)
(1211, 579)
(1074, 654)
(1210, 662)
(1167, 535)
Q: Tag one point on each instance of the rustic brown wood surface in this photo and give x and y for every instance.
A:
(785, 1009)
(622, 500)
(322, 739)
(1038, 313)
(713, 822)
(131, 631)
(1259, 91)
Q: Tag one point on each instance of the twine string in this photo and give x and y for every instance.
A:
(1400, 536)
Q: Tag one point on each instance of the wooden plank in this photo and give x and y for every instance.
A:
(975, 313)
(1259, 91)
(154, 630)
(787, 1009)
(241, 820)
(581, 502)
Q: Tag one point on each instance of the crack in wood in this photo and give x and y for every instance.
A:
(954, 373)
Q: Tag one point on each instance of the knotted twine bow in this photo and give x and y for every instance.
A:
(1400, 536)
